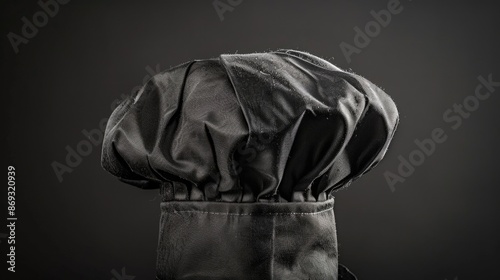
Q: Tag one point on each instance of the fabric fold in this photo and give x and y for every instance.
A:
(246, 150)
(279, 127)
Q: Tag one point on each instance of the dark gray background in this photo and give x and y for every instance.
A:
(441, 223)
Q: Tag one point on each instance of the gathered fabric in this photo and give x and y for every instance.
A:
(246, 150)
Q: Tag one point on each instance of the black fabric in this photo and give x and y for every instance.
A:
(256, 133)
(280, 126)
(273, 241)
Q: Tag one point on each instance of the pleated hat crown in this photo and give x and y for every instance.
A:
(278, 126)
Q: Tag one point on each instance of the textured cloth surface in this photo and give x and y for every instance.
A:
(246, 151)
(214, 240)
(280, 126)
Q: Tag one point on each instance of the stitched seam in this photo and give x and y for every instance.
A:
(254, 214)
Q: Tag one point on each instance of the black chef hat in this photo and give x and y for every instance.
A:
(278, 126)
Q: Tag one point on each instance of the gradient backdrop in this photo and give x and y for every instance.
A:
(440, 223)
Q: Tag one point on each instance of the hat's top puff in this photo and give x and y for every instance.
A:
(278, 126)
